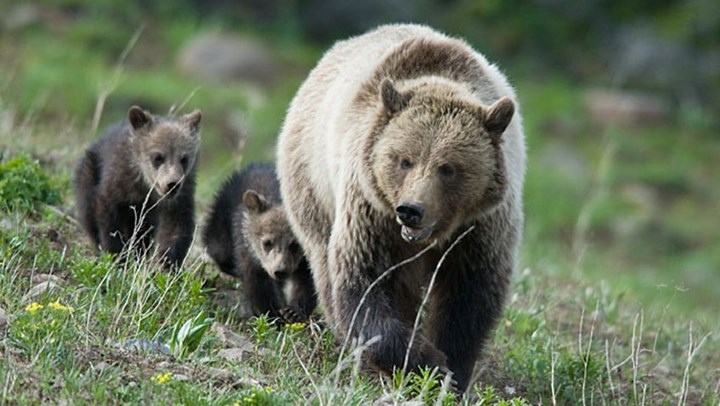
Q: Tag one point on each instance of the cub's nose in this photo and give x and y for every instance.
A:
(171, 187)
(410, 214)
(281, 274)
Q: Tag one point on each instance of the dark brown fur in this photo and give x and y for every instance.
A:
(248, 236)
(137, 183)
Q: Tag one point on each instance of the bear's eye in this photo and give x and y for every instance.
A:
(294, 247)
(184, 161)
(157, 160)
(446, 171)
(267, 245)
(405, 164)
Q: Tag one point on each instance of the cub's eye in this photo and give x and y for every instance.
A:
(184, 161)
(267, 245)
(446, 171)
(294, 247)
(405, 164)
(158, 159)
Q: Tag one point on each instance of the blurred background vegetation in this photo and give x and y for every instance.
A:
(620, 100)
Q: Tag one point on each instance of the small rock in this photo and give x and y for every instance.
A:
(39, 290)
(180, 377)
(224, 57)
(3, 319)
(388, 400)
(143, 346)
(6, 224)
(229, 338)
(44, 277)
(220, 374)
(163, 365)
(628, 108)
(101, 366)
(235, 354)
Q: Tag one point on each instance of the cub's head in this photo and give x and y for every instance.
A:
(437, 161)
(164, 148)
(267, 232)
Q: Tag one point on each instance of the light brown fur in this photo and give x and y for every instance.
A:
(400, 137)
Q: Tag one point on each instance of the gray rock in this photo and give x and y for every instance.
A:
(181, 377)
(389, 400)
(235, 354)
(44, 277)
(229, 338)
(220, 57)
(626, 108)
(39, 290)
(100, 366)
(142, 346)
(3, 319)
(220, 374)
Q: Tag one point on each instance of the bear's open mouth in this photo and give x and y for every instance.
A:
(411, 234)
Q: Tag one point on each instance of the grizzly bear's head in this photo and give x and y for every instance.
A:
(437, 161)
(164, 148)
(267, 232)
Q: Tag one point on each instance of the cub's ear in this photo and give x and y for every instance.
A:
(192, 120)
(498, 116)
(139, 118)
(254, 202)
(392, 99)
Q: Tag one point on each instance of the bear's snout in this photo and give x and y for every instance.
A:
(410, 214)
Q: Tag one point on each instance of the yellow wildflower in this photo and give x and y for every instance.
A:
(57, 306)
(33, 307)
(295, 326)
(161, 378)
(268, 389)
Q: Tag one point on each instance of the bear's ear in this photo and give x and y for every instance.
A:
(392, 99)
(255, 203)
(192, 120)
(139, 118)
(498, 116)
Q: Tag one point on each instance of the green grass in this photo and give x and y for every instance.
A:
(614, 302)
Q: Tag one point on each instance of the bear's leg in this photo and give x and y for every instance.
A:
(176, 228)
(312, 228)
(301, 296)
(261, 291)
(112, 227)
(467, 302)
(358, 258)
(87, 178)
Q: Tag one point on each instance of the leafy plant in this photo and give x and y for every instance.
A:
(23, 184)
(186, 338)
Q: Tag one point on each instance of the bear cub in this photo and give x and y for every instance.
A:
(248, 235)
(136, 184)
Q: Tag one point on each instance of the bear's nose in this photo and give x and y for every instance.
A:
(281, 274)
(171, 187)
(410, 214)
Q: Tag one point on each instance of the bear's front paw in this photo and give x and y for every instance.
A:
(429, 355)
(292, 315)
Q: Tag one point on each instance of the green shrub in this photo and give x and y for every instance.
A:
(23, 184)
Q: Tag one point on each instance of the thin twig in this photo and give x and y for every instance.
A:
(110, 86)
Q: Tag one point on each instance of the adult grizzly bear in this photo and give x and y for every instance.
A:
(400, 138)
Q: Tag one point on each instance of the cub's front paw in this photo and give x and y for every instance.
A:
(292, 315)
